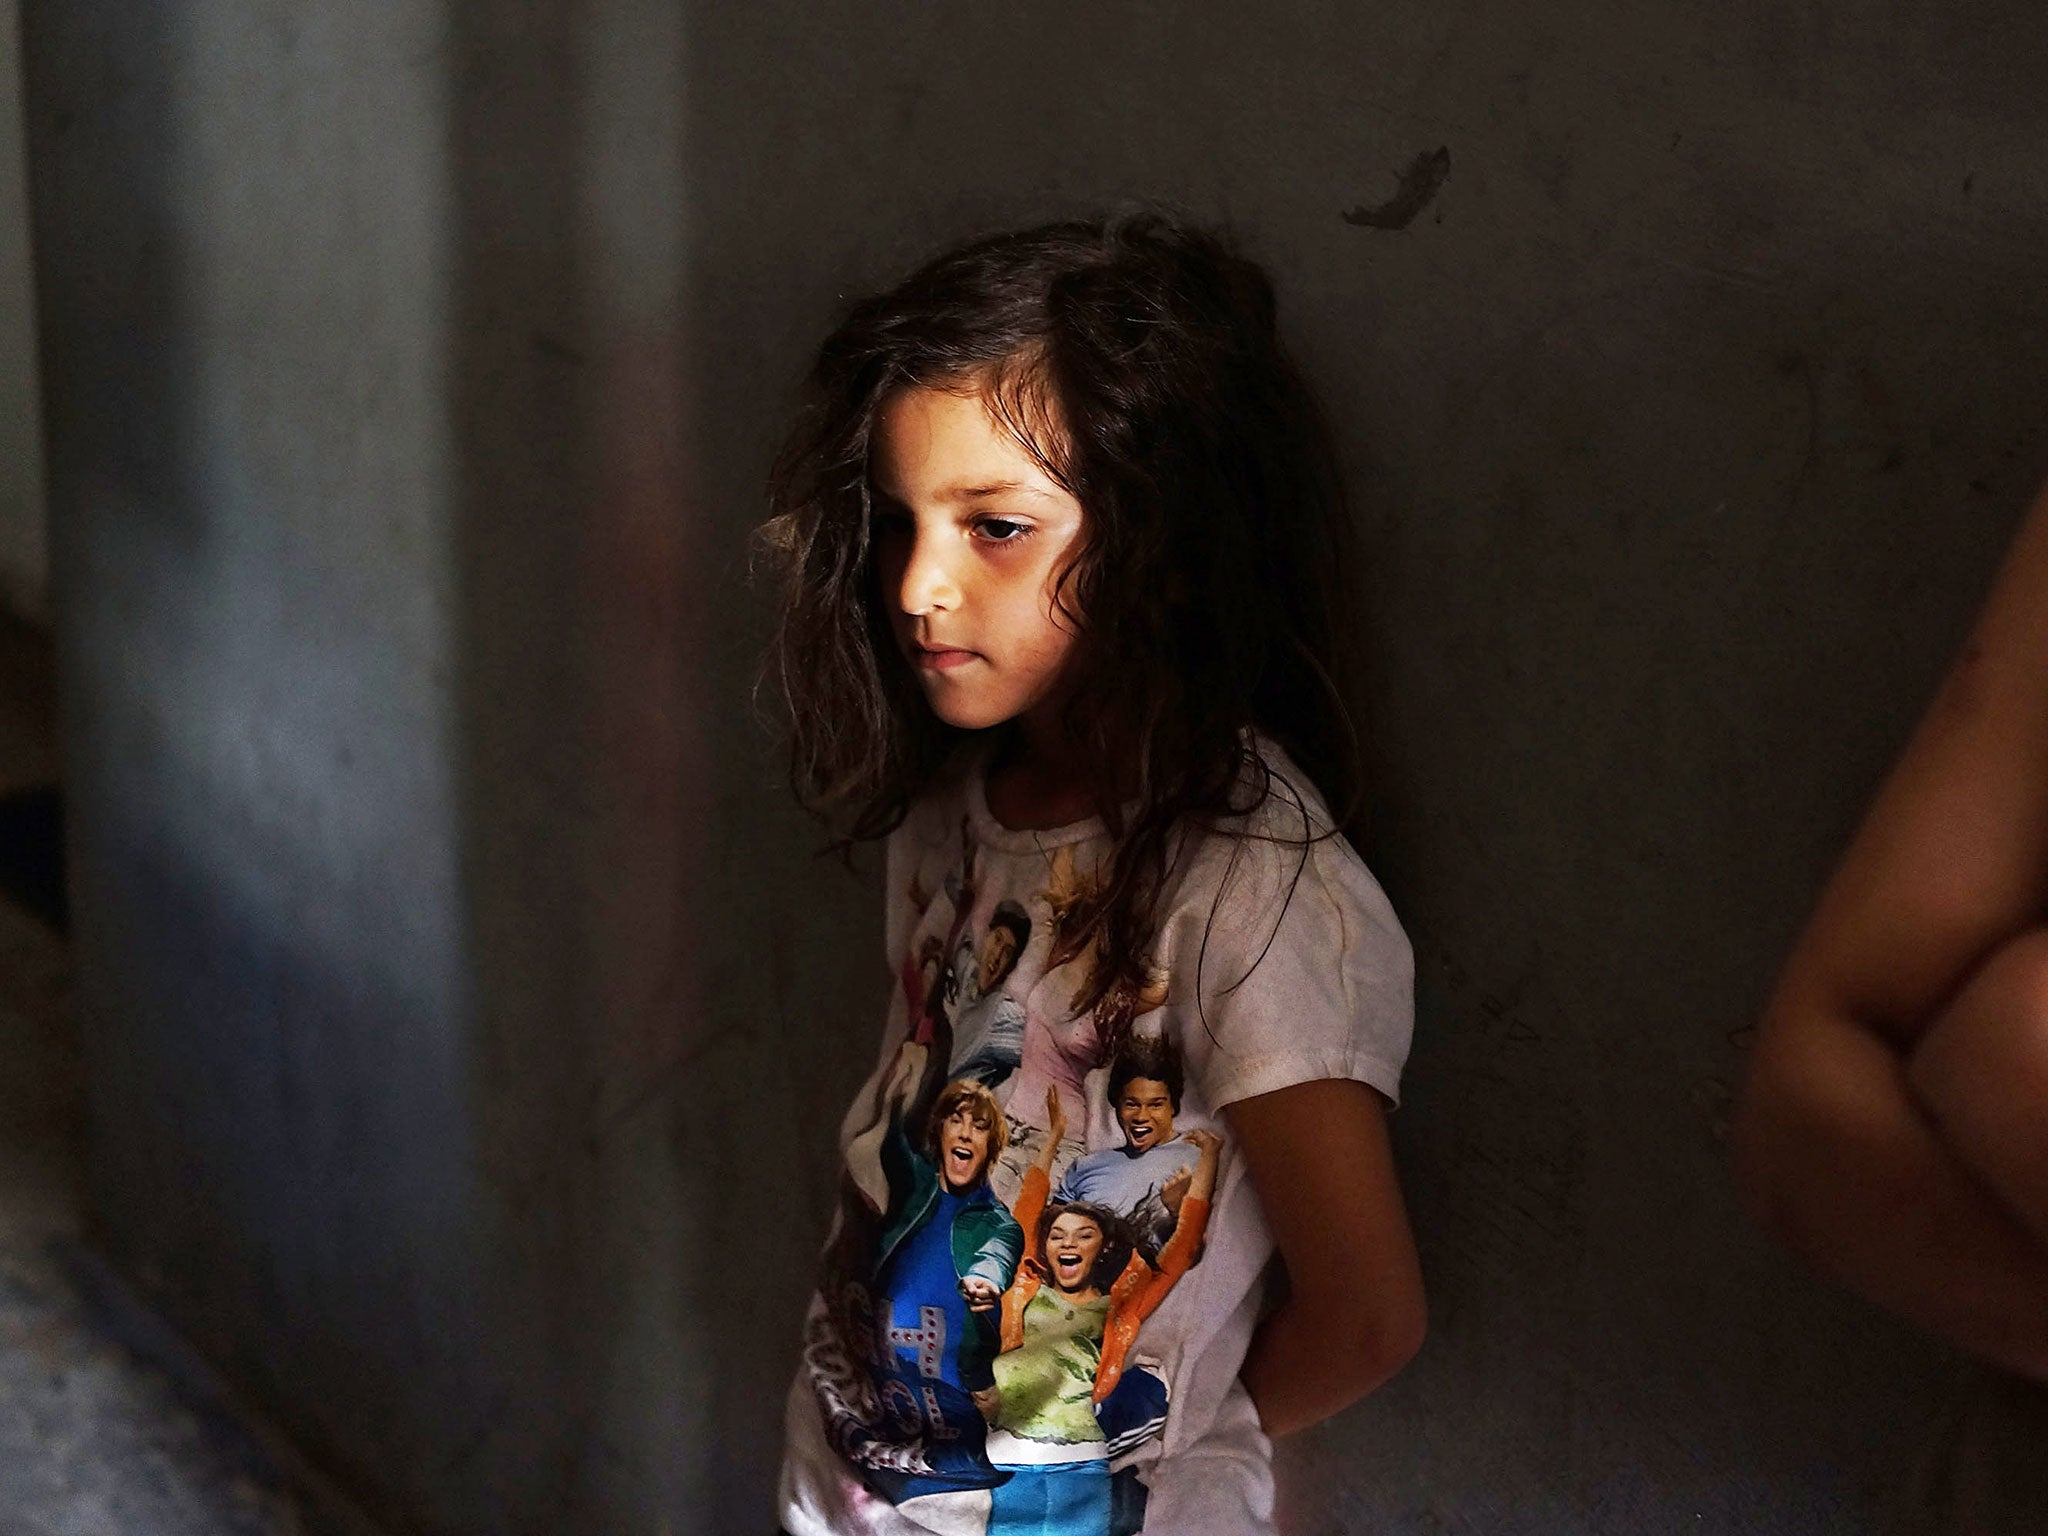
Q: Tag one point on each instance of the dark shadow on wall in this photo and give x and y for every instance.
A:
(582, 802)
(522, 491)
(115, 365)
(32, 853)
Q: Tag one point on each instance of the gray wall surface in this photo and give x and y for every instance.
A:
(468, 1015)
(24, 539)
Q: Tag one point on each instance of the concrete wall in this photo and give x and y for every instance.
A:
(24, 540)
(468, 1018)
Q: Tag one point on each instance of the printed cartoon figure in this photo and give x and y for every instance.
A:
(1068, 1324)
(1145, 1180)
(943, 1252)
(1064, 1042)
(988, 1023)
(930, 987)
(922, 970)
(1118, 1004)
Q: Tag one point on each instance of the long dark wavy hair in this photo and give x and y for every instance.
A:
(1138, 360)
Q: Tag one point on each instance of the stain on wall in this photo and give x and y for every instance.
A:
(1425, 176)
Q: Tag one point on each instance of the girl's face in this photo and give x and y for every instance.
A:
(971, 535)
(1072, 1245)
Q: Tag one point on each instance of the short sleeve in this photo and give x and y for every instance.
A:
(1287, 964)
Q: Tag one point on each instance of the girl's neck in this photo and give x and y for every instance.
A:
(1036, 780)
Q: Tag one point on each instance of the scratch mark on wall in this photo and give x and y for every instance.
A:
(1878, 400)
(1797, 365)
(1513, 1195)
(1425, 175)
(1713, 1100)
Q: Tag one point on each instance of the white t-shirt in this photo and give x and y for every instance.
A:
(1277, 961)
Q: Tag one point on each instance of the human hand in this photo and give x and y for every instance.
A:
(1055, 1115)
(981, 1294)
(1208, 1143)
(1174, 1190)
(905, 1073)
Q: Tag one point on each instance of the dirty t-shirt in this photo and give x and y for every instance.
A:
(1277, 961)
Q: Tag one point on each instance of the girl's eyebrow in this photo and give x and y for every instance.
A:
(962, 493)
(991, 488)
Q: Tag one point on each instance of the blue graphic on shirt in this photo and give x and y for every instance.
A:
(1134, 1411)
(1069, 1498)
(988, 1039)
(987, 1022)
(921, 1321)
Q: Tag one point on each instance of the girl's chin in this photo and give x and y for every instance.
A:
(966, 715)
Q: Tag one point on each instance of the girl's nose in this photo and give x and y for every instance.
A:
(928, 586)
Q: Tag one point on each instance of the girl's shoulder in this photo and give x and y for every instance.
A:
(1283, 817)
(1287, 961)
(1283, 801)
(1281, 868)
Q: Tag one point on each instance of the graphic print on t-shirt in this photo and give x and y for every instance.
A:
(990, 1271)
(1046, 1263)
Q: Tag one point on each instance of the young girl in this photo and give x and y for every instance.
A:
(1060, 537)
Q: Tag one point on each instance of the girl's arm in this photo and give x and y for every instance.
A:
(1900, 1081)
(1354, 1315)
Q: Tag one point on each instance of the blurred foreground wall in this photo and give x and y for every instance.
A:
(468, 1017)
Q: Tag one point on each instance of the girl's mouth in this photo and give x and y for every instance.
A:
(942, 658)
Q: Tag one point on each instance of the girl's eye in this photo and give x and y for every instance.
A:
(1001, 530)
